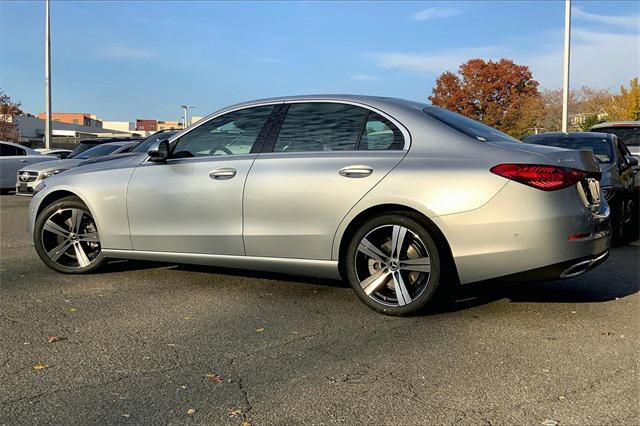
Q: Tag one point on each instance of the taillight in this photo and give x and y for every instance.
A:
(546, 178)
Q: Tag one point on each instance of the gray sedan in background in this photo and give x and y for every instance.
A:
(29, 177)
(13, 157)
(397, 197)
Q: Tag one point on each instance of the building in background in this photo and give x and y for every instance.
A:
(147, 125)
(169, 125)
(123, 126)
(78, 118)
(194, 119)
(30, 132)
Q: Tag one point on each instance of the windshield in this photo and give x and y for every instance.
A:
(630, 136)
(97, 151)
(601, 147)
(146, 144)
(469, 127)
(83, 146)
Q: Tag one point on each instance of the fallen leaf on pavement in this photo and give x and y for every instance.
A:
(246, 423)
(214, 378)
(40, 366)
(188, 318)
(235, 412)
(562, 397)
(126, 415)
(191, 411)
(259, 330)
(53, 339)
(72, 310)
(550, 422)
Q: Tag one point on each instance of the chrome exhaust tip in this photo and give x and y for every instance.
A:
(582, 267)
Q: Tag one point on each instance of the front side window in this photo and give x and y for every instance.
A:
(380, 134)
(234, 133)
(320, 127)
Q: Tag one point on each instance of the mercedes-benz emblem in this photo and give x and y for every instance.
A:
(24, 176)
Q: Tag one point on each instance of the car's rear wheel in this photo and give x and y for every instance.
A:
(66, 237)
(393, 264)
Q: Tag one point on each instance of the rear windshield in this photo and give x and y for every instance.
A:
(630, 136)
(81, 147)
(600, 147)
(97, 151)
(469, 127)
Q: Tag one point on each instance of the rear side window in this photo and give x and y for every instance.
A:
(380, 134)
(7, 150)
(320, 127)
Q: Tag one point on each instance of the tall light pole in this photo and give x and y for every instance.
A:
(47, 76)
(186, 113)
(565, 80)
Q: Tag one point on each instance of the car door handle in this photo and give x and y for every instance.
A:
(355, 171)
(24, 161)
(222, 174)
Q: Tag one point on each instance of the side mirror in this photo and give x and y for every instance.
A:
(159, 151)
(631, 160)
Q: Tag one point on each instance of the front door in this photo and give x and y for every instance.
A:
(324, 159)
(193, 202)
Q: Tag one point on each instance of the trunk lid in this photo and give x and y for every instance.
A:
(581, 159)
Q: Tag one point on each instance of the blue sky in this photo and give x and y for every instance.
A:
(124, 60)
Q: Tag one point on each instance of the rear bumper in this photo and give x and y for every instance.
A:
(527, 234)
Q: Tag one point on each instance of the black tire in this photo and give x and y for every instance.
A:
(63, 204)
(424, 287)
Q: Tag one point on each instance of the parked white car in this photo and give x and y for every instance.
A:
(13, 157)
(58, 152)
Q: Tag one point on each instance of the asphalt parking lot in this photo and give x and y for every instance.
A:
(156, 343)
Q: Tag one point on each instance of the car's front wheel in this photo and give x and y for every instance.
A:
(393, 264)
(66, 237)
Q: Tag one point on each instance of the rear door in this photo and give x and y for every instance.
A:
(316, 165)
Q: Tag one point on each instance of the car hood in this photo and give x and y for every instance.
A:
(112, 162)
(53, 165)
(107, 158)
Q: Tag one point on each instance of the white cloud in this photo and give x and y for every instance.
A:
(364, 77)
(124, 52)
(632, 21)
(598, 59)
(435, 13)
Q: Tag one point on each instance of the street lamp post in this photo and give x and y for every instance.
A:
(186, 109)
(47, 76)
(565, 80)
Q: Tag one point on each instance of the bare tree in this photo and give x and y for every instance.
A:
(8, 108)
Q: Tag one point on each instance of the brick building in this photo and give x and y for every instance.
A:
(79, 118)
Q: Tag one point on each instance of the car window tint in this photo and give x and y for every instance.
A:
(98, 151)
(380, 134)
(7, 150)
(231, 134)
(320, 127)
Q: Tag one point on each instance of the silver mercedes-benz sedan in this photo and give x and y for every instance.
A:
(397, 197)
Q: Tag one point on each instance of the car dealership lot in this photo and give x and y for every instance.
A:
(138, 341)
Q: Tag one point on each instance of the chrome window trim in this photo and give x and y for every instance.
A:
(405, 132)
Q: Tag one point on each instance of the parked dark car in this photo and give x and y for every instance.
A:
(628, 132)
(617, 183)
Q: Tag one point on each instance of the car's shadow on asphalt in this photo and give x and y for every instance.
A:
(603, 284)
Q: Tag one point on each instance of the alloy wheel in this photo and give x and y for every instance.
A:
(70, 238)
(393, 265)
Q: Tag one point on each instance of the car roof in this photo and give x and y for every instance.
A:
(571, 135)
(616, 124)
(123, 143)
(105, 140)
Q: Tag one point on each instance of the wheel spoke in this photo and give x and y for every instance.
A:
(83, 260)
(372, 251)
(422, 264)
(401, 289)
(54, 228)
(89, 236)
(397, 240)
(59, 250)
(377, 279)
(76, 219)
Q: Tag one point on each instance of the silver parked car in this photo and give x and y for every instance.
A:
(397, 197)
(12, 158)
(29, 177)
